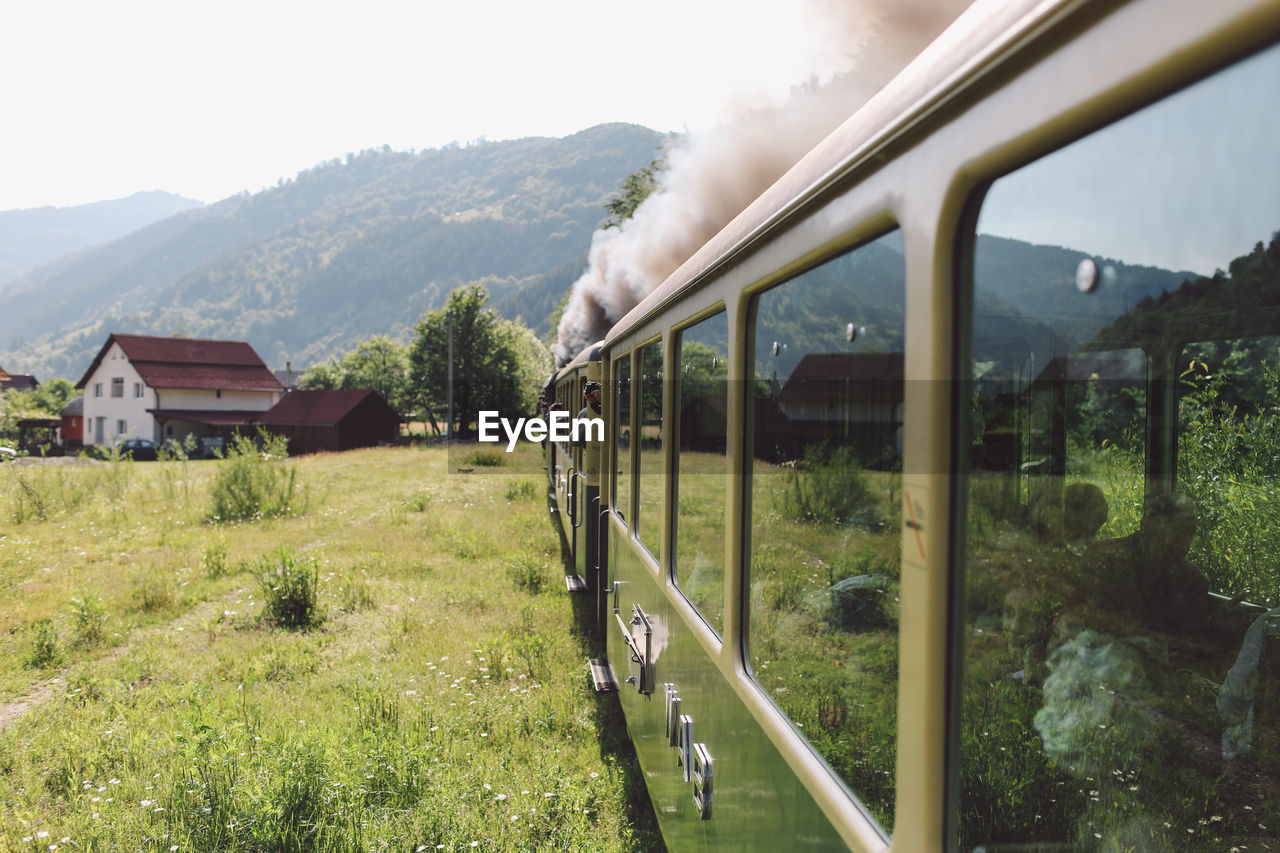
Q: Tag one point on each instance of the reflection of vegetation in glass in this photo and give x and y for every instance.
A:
(650, 483)
(1109, 702)
(703, 380)
(622, 442)
(823, 629)
(1229, 463)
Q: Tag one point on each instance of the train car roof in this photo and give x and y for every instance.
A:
(588, 353)
(955, 59)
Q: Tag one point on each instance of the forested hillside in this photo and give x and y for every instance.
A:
(38, 235)
(349, 249)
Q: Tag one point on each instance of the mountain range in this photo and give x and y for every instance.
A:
(37, 235)
(351, 248)
(365, 245)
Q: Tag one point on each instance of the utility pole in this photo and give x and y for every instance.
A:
(449, 426)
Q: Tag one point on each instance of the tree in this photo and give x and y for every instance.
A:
(636, 187)
(322, 377)
(497, 365)
(45, 401)
(53, 396)
(379, 363)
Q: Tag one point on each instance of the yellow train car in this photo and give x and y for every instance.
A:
(939, 491)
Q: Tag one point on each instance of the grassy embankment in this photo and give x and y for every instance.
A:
(439, 700)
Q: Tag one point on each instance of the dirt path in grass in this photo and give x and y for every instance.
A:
(12, 712)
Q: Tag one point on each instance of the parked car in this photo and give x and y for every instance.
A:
(139, 450)
(7, 453)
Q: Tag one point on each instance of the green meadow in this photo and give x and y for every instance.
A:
(387, 660)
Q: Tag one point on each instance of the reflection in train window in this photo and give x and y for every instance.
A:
(826, 486)
(622, 440)
(702, 379)
(1121, 681)
(650, 482)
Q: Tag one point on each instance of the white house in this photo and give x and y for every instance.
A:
(162, 388)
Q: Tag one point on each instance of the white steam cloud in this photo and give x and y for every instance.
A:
(712, 176)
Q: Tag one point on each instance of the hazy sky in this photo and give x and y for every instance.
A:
(104, 99)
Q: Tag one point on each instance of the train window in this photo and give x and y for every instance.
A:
(702, 376)
(650, 482)
(622, 438)
(1121, 658)
(825, 491)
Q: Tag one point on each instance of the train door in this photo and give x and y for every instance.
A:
(587, 443)
(578, 496)
(561, 467)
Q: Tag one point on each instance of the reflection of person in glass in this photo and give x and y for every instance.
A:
(1145, 574)
(1172, 589)
(1103, 663)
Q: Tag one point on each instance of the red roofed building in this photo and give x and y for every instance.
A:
(318, 421)
(165, 388)
(17, 382)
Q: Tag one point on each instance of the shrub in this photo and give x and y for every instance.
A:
(153, 594)
(828, 487)
(29, 502)
(527, 574)
(356, 594)
(521, 489)
(253, 484)
(485, 458)
(46, 648)
(290, 583)
(214, 558)
(90, 620)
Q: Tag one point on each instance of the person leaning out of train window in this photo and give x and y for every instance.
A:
(591, 448)
(591, 399)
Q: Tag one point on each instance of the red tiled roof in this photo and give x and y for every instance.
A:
(18, 382)
(830, 376)
(315, 407)
(167, 362)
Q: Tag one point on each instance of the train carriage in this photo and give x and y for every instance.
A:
(938, 491)
(573, 467)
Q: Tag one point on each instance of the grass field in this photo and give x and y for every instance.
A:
(439, 699)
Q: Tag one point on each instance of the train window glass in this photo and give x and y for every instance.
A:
(1122, 465)
(622, 436)
(1228, 458)
(650, 483)
(702, 377)
(825, 490)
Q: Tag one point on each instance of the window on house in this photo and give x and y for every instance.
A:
(137, 389)
(117, 387)
(97, 389)
(122, 427)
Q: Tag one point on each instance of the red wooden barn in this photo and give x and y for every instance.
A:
(319, 421)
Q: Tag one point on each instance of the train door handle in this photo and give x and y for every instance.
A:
(579, 476)
(569, 494)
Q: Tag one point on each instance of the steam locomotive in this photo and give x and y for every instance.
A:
(936, 505)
